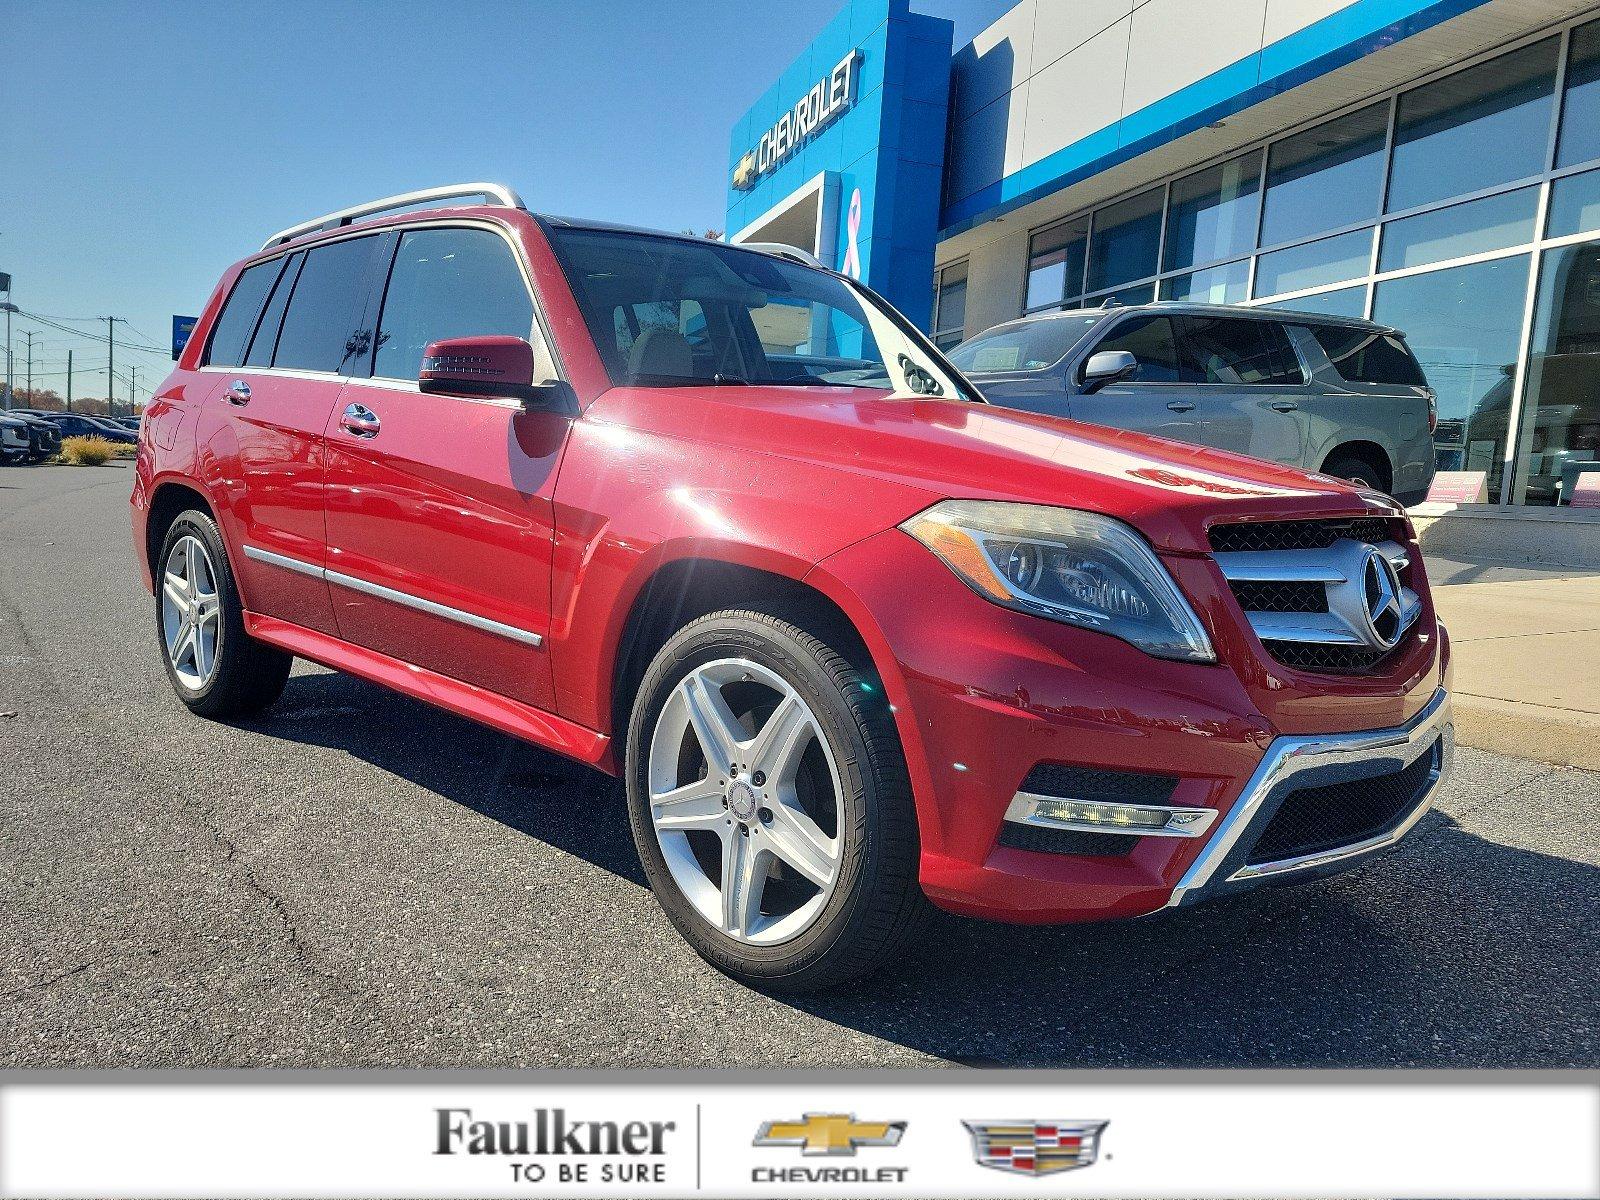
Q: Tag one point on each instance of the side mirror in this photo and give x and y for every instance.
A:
(493, 366)
(1108, 366)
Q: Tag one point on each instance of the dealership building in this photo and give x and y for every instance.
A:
(1431, 164)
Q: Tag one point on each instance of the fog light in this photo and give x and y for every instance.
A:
(1104, 816)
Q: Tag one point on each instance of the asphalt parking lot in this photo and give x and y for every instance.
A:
(355, 879)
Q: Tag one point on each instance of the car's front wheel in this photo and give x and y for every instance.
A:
(770, 805)
(216, 668)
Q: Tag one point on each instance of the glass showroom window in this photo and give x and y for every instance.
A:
(1342, 302)
(1055, 263)
(1212, 214)
(1125, 240)
(1325, 178)
(1559, 434)
(1463, 323)
(1227, 284)
(950, 306)
(1574, 205)
(1580, 114)
(1476, 227)
(1486, 125)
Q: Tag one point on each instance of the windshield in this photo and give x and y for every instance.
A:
(668, 312)
(1025, 346)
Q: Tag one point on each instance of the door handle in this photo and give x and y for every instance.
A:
(1284, 405)
(360, 420)
(239, 392)
(1180, 405)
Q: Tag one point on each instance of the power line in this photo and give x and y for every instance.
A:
(93, 337)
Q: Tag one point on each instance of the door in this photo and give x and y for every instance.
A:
(440, 508)
(1248, 385)
(1161, 398)
(289, 328)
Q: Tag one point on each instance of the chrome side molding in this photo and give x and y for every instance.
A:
(394, 596)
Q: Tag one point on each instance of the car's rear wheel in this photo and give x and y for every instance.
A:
(216, 668)
(1353, 469)
(769, 803)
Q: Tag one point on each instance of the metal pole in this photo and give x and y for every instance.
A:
(69, 380)
(10, 399)
(30, 335)
(111, 362)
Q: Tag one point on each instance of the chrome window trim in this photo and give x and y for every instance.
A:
(1293, 755)
(395, 596)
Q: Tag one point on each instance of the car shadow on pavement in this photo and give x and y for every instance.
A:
(1453, 950)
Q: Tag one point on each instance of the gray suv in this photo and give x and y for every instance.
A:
(1331, 394)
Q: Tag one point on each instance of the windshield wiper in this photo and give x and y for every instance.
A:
(721, 380)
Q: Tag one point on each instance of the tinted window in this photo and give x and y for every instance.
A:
(449, 283)
(1325, 177)
(1028, 346)
(1123, 243)
(320, 329)
(1367, 356)
(1343, 257)
(238, 317)
(266, 339)
(1485, 125)
(1212, 214)
(1492, 223)
(1055, 262)
(1580, 118)
(1151, 342)
(1235, 351)
(1560, 441)
(950, 313)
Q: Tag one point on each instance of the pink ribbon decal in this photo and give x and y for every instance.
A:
(852, 252)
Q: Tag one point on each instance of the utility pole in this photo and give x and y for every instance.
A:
(30, 335)
(133, 379)
(69, 380)
(111, 364)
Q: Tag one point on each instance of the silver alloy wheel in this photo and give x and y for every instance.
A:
(191, 612)
(754, 797)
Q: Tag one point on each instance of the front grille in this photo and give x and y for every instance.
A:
(1065, 841)
(1327, 660)
(1090, 783)
(1297, 535)
(1314, 820)
(1293, 596)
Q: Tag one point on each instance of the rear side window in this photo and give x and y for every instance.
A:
(1369, 356)
(449, 283)
(320, 329)
(266, 339)
(1229, 350)
(1152, 343)
(237, 321)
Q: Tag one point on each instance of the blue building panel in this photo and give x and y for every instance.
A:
(885, 147)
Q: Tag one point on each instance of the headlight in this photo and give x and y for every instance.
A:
(1068, 565)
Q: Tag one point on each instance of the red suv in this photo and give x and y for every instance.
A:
(722, 522)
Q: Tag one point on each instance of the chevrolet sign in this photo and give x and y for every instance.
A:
(821, 106)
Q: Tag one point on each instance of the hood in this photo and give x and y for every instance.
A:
(1168, 490)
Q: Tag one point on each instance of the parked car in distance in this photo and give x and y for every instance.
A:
(727, 525)
(16, 441)
(1341, 396)
(79, 425)
(44, 437)
(131, 423)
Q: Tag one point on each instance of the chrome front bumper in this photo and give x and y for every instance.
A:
(1293, 763)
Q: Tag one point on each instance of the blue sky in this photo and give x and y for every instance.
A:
(144, 147)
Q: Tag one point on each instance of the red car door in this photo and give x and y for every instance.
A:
(439, 508)
(261, 437)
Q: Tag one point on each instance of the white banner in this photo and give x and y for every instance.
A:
(961, 1135)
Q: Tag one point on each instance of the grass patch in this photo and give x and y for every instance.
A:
(88, 451)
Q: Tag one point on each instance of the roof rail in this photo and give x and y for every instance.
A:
(495, 193)
(784, 250)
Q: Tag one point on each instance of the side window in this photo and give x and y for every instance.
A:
(1369, 355)
(319, 330)
(449, 283)
(1231, 350)
(237, 320)
(266, 339)
(1151, 341)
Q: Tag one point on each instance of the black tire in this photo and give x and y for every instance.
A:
(876, 904)
(249, 675)
(1353, 469)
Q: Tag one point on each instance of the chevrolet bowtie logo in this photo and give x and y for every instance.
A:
(744, 174)
(830, 1133)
